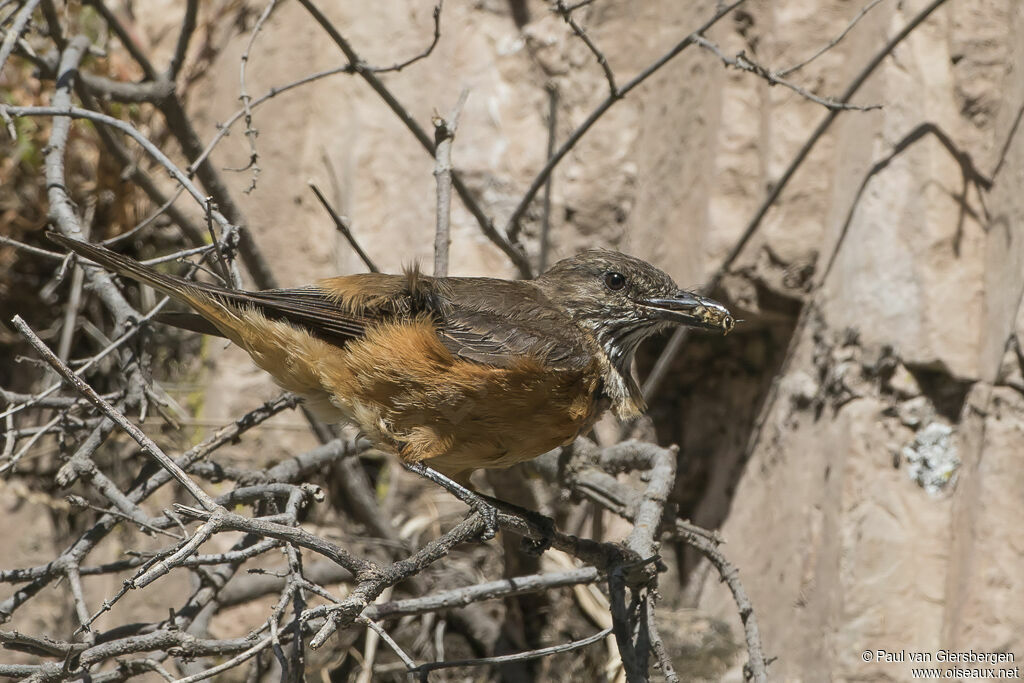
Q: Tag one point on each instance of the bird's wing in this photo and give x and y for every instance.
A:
(496, 322)
(494, 339)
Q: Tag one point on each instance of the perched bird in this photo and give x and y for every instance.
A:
(457, 373)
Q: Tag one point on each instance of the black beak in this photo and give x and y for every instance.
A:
(692, 310)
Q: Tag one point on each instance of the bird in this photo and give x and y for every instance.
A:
(455, 373)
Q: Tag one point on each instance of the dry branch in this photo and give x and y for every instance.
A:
(359, 67)
(444, 135)
(513, 227)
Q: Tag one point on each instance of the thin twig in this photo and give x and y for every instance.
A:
(144, 441)
(566, 14)
(658, 645)
(756, 662)
(423, 55)
(188, 27)
(545, 221)
(503, 588)
(243, 95)
(512, 226)
(342, 226)
(356, 64)
(141, 225)
(223, 129)
(745, 63)
(519, 657)
(386, 637)
(230, 664)
(832, 43)
(30, 249)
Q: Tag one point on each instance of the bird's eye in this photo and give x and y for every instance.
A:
(614, 281)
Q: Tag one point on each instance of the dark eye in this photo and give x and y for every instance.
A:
(614, 281)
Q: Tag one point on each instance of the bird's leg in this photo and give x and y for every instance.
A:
(488, 512)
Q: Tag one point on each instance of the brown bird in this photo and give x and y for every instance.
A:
(458, 373)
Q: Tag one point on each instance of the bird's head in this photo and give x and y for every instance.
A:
(622, 300)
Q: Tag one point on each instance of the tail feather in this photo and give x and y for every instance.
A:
(177, 288)
(193, 322)
(228, 312)
(211, 302)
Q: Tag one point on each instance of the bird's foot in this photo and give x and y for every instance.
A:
(476, 502)
(540, 524)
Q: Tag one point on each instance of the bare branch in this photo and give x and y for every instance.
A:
(30, 249)
(832, 43)
(491, 590)
(744, 63)
(356, 64)
(188, 27)
(545, 223)
(512, 227)
(444, 135)
(566, 14)
(224, 128)
(12, 34)
(519, 657)
(144, 441)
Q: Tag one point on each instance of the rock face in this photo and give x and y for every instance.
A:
(892, 266)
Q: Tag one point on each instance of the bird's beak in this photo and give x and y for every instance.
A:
(692, 310)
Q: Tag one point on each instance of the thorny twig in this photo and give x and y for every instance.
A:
(566, 14)
(243, 95)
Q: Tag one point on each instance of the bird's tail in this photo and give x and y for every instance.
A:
(207, 300)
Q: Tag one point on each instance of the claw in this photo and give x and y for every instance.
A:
(489, 515)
